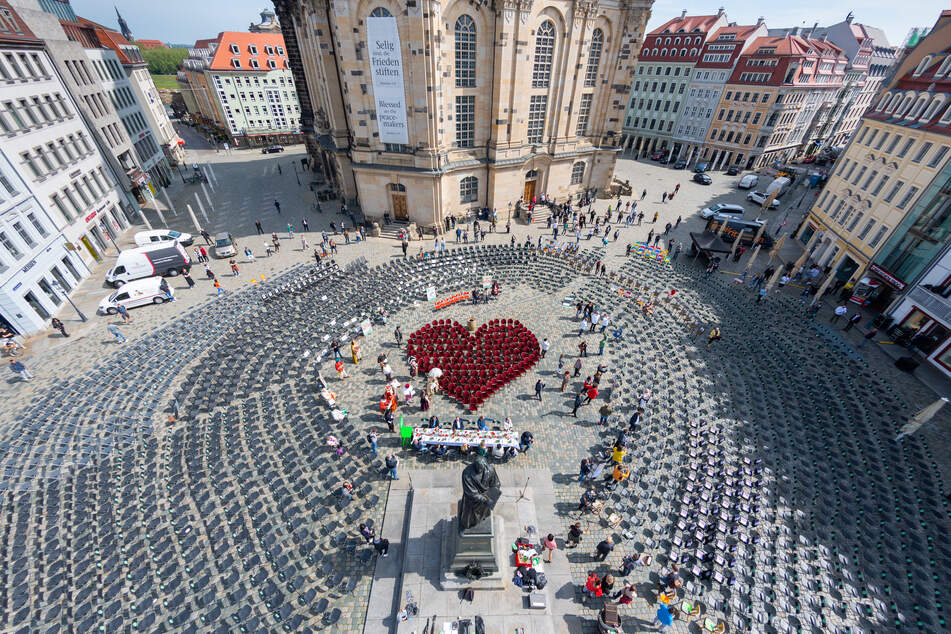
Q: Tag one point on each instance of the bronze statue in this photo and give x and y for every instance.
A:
(481, 489)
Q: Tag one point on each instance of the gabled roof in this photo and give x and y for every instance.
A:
(688, 24)
(223, 55)
(741, 32)
(207, 42)
(110, 39)
(150, 44)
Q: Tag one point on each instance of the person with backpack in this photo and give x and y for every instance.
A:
(392, 462)
(372, 439)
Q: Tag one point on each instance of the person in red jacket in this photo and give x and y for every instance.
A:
(592, 587)
(592, 394)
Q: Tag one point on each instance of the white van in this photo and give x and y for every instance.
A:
(748, 182)
(145, 238)
(135, 293)
(779, 185)
(161, 259)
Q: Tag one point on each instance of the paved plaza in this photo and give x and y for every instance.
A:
(766, 463)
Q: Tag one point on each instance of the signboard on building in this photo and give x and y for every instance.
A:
(887, 277)
(386, 66)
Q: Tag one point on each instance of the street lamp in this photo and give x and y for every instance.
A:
(60, 290)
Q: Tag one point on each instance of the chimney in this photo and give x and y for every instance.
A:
(760, 21)
(720, 11)
(683, 14)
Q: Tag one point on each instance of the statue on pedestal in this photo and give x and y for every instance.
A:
(481, 490)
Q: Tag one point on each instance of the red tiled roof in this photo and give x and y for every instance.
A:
(109, 38)
(687, 23)
(207, 42)
(25, 35)
(150, 44)
(223, 54)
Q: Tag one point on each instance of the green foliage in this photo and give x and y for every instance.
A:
(164, 61)
(165, 82)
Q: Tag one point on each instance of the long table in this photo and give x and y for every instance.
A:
(459, 437)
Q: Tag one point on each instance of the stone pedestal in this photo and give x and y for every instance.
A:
(480, 544)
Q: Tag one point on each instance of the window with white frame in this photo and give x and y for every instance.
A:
(465, 46)
(465, 120)
(594, 58)
(537, 108)
(469, 189)
(584, 113)
(544, 53)
(577, 173)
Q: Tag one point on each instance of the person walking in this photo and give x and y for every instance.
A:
(663, 197)
(398, 335)
(186, 275)
(17, 367)
(574, 535)
(114, 330)
(582, 326)
(583, 349)
(584, 470)
(382, 546)
(578, 366)
(392, 463)
(277, 206)
(604, 548)
(204, 254)
(372, 438)
(207, 237)
(868, 336)
(564, 380)
(549, 546)
(234, 268)
(58, 325)
(257, 225)
(839, 311)
(219, 290)
(303, 223)
(655, 218)
(539, 386)
(853, 320)
(579, 400)
(124, 313)
(367, 533)
(545, 347)
(604, 412)
(635, 420)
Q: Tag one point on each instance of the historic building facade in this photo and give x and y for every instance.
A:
(443, 107)
(882, 212)
(660, 85)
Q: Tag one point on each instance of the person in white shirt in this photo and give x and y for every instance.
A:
(507, 424)
(545, 347)
(839, 311)
(605, 320)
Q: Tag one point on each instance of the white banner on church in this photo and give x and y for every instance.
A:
(386, 64)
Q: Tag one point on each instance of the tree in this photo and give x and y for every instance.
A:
(164, 61)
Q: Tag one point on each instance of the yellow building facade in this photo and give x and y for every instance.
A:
(445, 107)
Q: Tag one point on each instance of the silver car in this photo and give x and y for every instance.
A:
(760, 197)
(224, 245)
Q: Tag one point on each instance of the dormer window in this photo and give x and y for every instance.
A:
(923, 65)
(280, 50)
(235, 62)
(269, 50)
(252, 49)
(254, 63)
(271, 64)
(235, 50)
(945, 66)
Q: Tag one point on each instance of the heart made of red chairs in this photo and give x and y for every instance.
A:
(474, 365)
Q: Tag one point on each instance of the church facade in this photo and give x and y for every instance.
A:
(437, 108)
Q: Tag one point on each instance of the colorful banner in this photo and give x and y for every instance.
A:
(386, 68)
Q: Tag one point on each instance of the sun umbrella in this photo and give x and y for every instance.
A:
(922, 417)
(435, 373)
(664, 616)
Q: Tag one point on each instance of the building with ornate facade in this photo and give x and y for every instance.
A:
(883, 212)
(268, 23)
(664, 70)
(241, 84)
(439, 108)
(710, 74)
(770, 100)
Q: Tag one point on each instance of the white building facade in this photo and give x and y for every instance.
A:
(59, 198)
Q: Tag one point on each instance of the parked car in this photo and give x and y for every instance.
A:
(659, 155)
(733, 170)
(703, 179)
(135, 293)
(725, 210)
(681, 164)
(779, 185)
(748, 182)
(164, 258)
(143, 238)
(700, 168)
(809, 159)
(759, 198)
(224, 245)
(272, 149)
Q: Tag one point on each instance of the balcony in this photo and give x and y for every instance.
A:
(935, 305)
